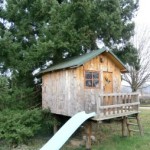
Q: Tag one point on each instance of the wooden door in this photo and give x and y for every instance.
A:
(108, 87)
(107, 82)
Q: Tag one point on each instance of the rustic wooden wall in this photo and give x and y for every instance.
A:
(109, 66)
(64, 91)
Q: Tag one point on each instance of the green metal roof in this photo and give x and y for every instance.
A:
(79, 60)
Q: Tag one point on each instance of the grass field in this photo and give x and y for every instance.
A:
(109, 136)
(136, 142)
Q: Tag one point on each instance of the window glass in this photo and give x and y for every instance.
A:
(95, 75)
(95, 83)
(88, 75)
(92, 79)
(89, 83)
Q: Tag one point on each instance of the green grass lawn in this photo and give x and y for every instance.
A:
(109, 136)
(135, 142)
(145, 105)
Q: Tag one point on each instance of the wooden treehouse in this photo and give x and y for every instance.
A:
(90, 83)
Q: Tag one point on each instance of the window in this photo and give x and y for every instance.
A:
(92, 79)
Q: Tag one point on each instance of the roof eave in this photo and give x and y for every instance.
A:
(125, 68)
(75, 66)
(124, 71)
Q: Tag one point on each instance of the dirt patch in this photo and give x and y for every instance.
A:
(21, 147)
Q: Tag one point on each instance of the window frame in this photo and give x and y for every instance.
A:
(92, 87)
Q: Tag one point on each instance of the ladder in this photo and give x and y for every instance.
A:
(130, 124)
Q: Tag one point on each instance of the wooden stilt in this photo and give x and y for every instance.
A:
(97, 131)
(139, 124)
(55, 128)
(124, 126)
(129, 132)
(88, 135)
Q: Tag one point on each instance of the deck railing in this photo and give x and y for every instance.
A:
(111, 105)
(117, 103)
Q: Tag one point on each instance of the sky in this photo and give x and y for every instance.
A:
(142, 19)
(143, 14)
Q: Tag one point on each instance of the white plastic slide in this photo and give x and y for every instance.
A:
(63, 134)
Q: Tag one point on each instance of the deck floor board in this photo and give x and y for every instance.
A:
(111, 116)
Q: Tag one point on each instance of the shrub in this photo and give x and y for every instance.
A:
(18, 125)
(48, 121)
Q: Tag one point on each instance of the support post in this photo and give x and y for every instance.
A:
(139, 124)
(124, 126)
(88, 135)
(97, 131)
(129, 132)
(55, 128)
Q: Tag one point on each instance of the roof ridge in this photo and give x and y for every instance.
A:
(79, 60)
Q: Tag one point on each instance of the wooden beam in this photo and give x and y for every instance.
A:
(100, 118)
(119, 94)
(119, 105)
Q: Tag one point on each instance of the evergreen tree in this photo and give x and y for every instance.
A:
(33, 32)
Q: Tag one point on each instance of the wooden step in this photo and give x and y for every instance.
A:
(137, 123)
(134, 130)
(131, 118)
(133, 124)
(135, 117)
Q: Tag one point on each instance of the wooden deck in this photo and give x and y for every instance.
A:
(115, 105)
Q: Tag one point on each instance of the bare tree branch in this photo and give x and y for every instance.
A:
(137, 77)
